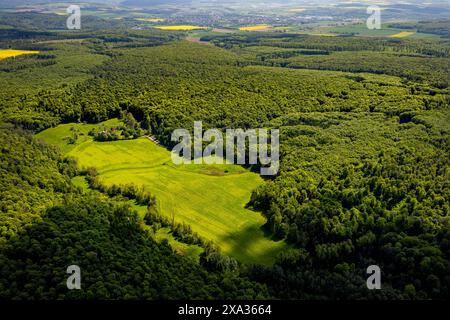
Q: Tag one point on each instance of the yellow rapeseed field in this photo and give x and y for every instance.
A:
(7, 53)
(402, 34)
(258, 27)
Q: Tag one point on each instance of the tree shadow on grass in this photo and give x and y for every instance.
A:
(250, 245)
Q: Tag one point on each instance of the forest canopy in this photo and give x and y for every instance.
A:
(364, 175)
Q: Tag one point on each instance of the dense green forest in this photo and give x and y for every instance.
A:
(417, 60)
(364, 173)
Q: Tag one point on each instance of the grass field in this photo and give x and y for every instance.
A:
(180, 28)
(297, 10)
(210, 198)
(8, 53)
(323, 34)
(150, 19)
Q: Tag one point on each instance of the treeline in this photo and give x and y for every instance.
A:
(130, 129)
(130, 191)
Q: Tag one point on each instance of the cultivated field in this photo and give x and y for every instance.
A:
(402, 34)
(180, 28)
(8, 53)
(259, 27)
(210, 198)
(150, 19)
(363, 31)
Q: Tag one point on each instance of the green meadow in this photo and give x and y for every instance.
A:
(362, 30)
(210, 198)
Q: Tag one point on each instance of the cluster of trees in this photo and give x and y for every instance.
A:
(131, 129)
(180, 231)
(74, 135)
(105, 134)
(130, 191)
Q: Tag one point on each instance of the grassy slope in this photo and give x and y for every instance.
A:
(211, 199)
